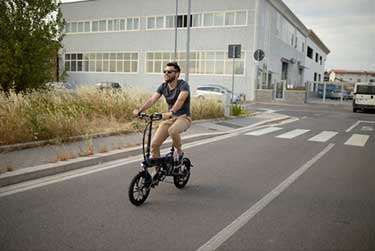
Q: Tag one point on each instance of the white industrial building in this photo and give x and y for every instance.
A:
(130, 42)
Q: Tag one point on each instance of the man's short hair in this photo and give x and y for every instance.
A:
(175, 65)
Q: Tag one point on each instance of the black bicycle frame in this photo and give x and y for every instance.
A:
(148, 162)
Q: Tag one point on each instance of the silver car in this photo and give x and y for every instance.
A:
(204, 91)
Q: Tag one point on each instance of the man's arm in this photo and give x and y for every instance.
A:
(149, 102)
(180, 101)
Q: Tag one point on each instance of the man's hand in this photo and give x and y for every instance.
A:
(167, 115)
(136, 113)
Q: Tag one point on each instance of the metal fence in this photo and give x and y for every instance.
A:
(329, 92)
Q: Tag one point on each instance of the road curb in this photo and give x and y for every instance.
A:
(30, 173)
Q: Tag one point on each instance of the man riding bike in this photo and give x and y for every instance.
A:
(178, 118)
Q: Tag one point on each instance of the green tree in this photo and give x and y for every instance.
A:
(30, 37)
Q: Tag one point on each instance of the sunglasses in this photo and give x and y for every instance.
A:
(168, 72)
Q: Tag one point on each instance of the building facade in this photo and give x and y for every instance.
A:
(351, 76)
(316, 56)
(129, 43)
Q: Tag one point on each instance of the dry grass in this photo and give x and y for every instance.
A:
(60, 115)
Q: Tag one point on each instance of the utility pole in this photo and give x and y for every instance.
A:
(188, 43)
(175, 32)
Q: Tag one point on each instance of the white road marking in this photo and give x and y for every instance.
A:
(264, 131)
(292, 134)
(352, 127)
(358, 122)
(323, 136)
(357, 140)
(238, 223)
(367, 128)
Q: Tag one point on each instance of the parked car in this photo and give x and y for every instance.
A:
(108, 86)
(337, 94)
(60, 85)
(333, 91)
(218, 91)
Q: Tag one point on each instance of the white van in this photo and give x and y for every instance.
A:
(364, 96)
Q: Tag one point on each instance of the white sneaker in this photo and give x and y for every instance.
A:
(177, 157)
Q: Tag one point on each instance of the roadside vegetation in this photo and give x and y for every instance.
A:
(60, 115)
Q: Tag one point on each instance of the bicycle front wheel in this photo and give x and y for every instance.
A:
(139, 189)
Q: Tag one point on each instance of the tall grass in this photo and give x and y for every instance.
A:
(60, 115)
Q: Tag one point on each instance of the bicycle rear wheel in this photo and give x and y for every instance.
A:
(181, 180)
(139, 189)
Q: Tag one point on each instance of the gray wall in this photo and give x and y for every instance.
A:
(290, 97)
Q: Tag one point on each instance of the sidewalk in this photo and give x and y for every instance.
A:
(46, 160)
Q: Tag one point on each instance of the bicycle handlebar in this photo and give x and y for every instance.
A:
(154, 116)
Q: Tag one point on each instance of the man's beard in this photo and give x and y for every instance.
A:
(170, 80)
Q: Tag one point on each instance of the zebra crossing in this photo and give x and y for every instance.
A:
(358, 140)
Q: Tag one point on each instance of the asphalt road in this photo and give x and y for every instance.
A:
(283, 194)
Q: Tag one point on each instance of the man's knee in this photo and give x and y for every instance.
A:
(173, 132)
(155, 144)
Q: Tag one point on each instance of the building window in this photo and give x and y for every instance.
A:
(319, 77)
(197, 20)
(74, 27)
(119, 62)
(87, 26)
(103, 25)
(132, 24)
(292, 40)
(182, 21)
(321, 60)
(155, 22)
(80, 27)
(67, 28)
(109, 25)
(201, 62)
(209, 19)
(241, 17)
(95, 26)
(230, 18)
(315, 76)
(316, 57)
(310, 52)
(169, 21)
(151, 23)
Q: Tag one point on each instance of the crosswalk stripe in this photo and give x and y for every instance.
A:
(292, 134)
(357, 140)
(323, 136)
(264, 131)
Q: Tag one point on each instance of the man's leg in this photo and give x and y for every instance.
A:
(160, 136)
(181, 124)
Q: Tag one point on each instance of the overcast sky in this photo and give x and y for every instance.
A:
(346, 27)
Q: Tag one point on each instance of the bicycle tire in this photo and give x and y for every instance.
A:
(137, 185)
(180, 181)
